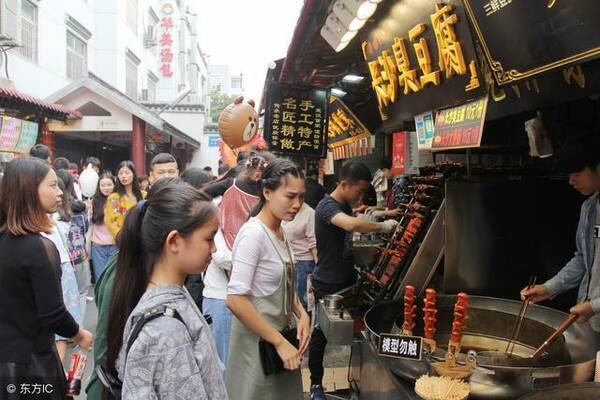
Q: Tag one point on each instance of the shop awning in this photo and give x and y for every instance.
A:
(311, 61)
(119, 99)
(13, 99)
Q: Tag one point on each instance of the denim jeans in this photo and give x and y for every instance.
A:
(100, 256)
(303, 269)
(221, 324)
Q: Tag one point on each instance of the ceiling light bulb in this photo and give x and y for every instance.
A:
(366, 10)
(348, 36)
(356, 24)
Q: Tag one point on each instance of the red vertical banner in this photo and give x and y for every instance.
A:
(399, 152)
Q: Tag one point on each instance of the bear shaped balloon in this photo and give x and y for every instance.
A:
(238, 123)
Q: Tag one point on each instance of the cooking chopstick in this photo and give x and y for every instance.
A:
(519, 322)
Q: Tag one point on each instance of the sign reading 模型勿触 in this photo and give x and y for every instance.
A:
(460, 127)
(422, 60)
(296, 120)
(523, 39)
(400, 346)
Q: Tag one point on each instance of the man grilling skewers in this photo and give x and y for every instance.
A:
(334, 224)
(580, 158)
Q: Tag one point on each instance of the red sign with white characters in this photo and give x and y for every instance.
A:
(166, 41)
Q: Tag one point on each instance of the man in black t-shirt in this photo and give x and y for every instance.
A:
(334, 225)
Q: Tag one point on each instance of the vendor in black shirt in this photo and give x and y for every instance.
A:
(32, 308)
(334, 225)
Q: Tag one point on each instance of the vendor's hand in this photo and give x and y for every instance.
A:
(395, 213)
(84, 339)
(583, 310)
(288, 354)
(388, 226)
(377, 213)
(303, 335)
(371, 209)
(535, 294)
(360, 209)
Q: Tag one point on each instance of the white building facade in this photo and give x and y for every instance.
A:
(147, 50)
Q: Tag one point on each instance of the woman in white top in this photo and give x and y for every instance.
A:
(261, 292)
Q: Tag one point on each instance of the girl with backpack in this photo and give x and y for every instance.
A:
(173, 356)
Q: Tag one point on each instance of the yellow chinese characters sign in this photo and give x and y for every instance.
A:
(416, 62)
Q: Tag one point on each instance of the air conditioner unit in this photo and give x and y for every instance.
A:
(150, 37)
(145, 96)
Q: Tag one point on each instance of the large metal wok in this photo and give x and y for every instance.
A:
(570, 359)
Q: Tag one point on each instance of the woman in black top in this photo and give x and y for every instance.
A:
(31, 304)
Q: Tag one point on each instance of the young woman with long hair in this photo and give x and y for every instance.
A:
(261, 292)
(126, 196)
(68, 281)
(32, 309)
(72, 222)
(164, 239)
(103, 243)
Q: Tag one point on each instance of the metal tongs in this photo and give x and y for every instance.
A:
(510, 347)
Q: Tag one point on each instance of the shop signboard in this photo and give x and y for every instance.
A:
(344, 126)
(544, 35)
(213, 140)
(296, 120)
(399, 153)
(421, 57)
(424, 126)
(29, 134)
(167, 26)
(9, 134)
(460, 127)
(400, 346)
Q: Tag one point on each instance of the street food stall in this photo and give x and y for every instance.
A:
(471, 115)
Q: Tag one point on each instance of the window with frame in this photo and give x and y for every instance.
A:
(152, 88)
(76, 56)
(152, 33)
(132, 15)
(29, 28)
(131, 78)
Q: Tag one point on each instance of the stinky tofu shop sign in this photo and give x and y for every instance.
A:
(421, 57)
(297, 120)
(522, 39)
(460, 127)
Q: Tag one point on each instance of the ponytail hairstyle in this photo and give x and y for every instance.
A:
(172, 205)
(273, 178)
(99, 200)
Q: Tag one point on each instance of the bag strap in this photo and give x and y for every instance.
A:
(288, 296)
(156, 312)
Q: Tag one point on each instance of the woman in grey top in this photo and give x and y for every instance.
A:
(163, 240)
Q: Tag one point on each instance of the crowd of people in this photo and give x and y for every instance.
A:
(200, 282)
